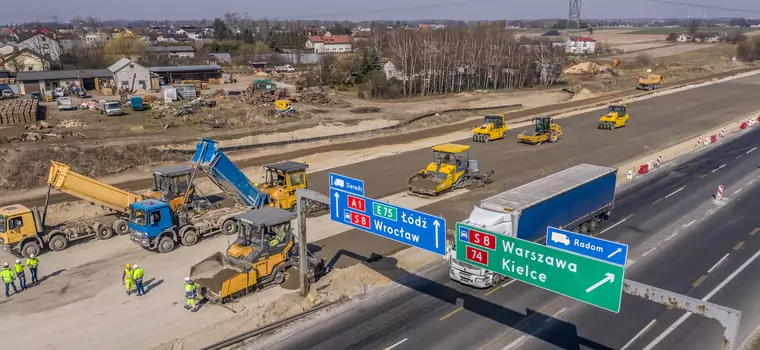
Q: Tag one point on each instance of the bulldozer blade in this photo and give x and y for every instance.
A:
(423, 184)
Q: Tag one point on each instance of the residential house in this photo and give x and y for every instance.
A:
(329, 43)
(709, 37)
(219, 58)
(580, 45)
(137, 32)
(173, 51)
(24, 60)
(70, 41)
(192, 32)
(173, 38)
(43, 44)
(7, 49)
(100, 37)
(8, 34)
(362, 34)
(683, 38)
(128, 74)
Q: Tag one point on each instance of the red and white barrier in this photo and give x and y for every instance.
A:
(719, 194)
(630, 174)
(699, 142)
(643, 169)
(723, 132)
(658, 162)
(743, 126)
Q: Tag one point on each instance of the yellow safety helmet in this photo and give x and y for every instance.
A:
(129, 266)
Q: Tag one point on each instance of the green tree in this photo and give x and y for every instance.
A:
(221, 30)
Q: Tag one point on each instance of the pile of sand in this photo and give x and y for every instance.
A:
(583, 94)
(584, 68)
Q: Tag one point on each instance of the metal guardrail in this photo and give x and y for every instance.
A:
(268, 327)
(350, 134)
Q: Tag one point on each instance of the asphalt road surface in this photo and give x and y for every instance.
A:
(676, 234)
(140, 184)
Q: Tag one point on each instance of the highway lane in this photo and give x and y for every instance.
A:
(424, 313)
(389, 140)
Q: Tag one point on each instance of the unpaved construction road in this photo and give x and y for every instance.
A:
(83, 305)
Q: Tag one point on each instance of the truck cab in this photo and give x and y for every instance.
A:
(472, 275)
(148, 220)
(20, 230)
(281, 182)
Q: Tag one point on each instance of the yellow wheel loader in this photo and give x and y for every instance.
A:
(493, 128)
(546, 131)
(616, 117)
(261, 256)
(451, 168)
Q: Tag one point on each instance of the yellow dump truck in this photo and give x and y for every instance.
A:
(651, 82)
(261, 256)
(24, 231)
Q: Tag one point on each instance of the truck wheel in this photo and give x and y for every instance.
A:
(229, 227)
(189, 237)
(103, 232)
(30, 248)
(120, 227)
(165, 245)
(553, 136)
(58, 243)
(584, 227)
(593, 224)
(279, 277)
(496, 279)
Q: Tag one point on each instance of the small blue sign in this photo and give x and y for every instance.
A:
(593, 247)
(348, 184)
(402, 225)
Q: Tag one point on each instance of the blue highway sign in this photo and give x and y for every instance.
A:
(348, 184)
(609, 251)
(402, 225)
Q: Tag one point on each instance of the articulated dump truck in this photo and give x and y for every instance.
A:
(264, 254)
(25, 231)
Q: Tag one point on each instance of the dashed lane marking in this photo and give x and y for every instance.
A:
(640, 334)
(699, 280)
(718, 263)
(451, 313)
(739, 245)
(718, 168)
(674, 192)
(397, 344)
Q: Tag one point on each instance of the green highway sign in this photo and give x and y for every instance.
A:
(582, 278)
(385, 211)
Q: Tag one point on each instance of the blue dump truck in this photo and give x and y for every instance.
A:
(575, 199)
(154, 226)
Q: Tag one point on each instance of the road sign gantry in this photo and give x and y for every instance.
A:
(585, 279)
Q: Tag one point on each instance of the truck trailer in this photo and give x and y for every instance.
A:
(575, 199)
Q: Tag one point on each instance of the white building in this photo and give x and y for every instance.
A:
(580, 45)
(125, 71)
(329, 43)
(98, 38)
(43, 45)
(191, 32)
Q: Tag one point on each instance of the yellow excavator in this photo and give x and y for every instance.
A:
(616, 117)
(493, 128)
(546, 130)
(262, 255)
(450, 169)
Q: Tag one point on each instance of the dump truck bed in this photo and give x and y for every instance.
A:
(652, 79)
(63, 179)
(227, 176)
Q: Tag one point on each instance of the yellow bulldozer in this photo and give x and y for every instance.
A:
(261, 256)
(546, 131)
(616, 117)
(450, 169)
(493, 128)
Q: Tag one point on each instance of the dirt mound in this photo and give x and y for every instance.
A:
(28, 168)
(584, 68)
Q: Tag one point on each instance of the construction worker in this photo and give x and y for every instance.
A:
(7, 275)
(32, 264)
(138, 275)
(190, 294)
(20, 274)
(128, 278)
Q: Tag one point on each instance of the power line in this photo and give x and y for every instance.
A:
(729, 9)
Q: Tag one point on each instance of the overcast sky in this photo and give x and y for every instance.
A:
(43, 10)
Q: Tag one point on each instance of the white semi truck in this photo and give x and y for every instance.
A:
(575, 199)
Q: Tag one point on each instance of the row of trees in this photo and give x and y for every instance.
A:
(453, 60)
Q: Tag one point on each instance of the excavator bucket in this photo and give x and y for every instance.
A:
(217, 277)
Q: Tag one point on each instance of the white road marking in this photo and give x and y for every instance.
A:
(639, 334)
(718, 168)
(739, 156)
(629, 263)
(397, 344)
(751, 181)
(709, 212)
(750, 151)
(508, 283)
(672, 235)
(676, 191)
(737, 191)
(617, 223)
(718, 263)
(690, 223)
(649, 251)
(706, 298)
(556, 315)
(515, 343)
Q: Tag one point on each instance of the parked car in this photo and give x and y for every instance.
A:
(64, 104)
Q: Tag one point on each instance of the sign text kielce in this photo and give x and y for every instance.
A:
(585, 279)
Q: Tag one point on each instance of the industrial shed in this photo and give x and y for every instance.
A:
(172, 74)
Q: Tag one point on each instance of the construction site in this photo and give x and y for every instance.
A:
(209, 187)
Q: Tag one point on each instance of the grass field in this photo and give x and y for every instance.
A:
(669, 30)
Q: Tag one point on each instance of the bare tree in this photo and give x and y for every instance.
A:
(693, 29)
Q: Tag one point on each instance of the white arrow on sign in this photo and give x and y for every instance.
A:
(609, 278)
(337, 211)
(437, 225)
(615, 252)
